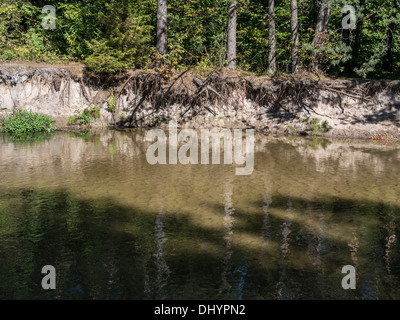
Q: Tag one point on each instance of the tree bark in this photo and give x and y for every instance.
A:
(323, 17)
(161, 44)
(231, 44)
(295, 35)
(271, 38)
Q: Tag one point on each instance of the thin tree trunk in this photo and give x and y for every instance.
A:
(295, 35)
(323, 17)
(231, 45)
(162, 27)
(271, 38)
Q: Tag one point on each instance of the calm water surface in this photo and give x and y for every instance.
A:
(115, 227)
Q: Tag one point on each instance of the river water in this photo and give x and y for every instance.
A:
(115, 227)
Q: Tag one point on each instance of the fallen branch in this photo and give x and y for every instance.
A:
(201, 84)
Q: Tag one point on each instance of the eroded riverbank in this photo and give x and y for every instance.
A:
(297, 106)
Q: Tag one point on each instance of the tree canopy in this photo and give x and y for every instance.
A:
(114, 35)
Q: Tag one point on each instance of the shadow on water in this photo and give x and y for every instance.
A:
(292, 248)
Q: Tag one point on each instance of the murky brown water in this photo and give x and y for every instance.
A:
(115, 227)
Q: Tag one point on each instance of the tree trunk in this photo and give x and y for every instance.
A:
(295, 35)
(162, 27)
(231, 45)
(271, 38)
(323, 17)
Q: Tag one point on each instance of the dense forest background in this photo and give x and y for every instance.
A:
(113, 35)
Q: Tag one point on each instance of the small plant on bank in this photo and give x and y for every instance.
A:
(71, 120)
(290, 129)
(112, 106)
(86, 116)
(112, 103)
(23, 122)
(95, 111)
(316, 127)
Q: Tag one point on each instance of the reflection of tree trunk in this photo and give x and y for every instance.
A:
(390, 240)
(314, 246)
(228, 232)
(112, 272)
(354, 245)
(267, 203)
(265, 229)
(315, 223)
(154, 288)
(282, 290)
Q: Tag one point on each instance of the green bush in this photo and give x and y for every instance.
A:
(95, 111)
(104, 60)
(86, 116)
(22, 122)
(112, 103)
(317, 128)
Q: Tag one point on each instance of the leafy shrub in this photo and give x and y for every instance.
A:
(104, 60)
(72, 120)
(112, 103)
(22, 122)
(123, 40)
(86, 116)
(95, 111)
(316, 127)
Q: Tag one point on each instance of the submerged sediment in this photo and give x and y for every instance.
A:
(283, 105)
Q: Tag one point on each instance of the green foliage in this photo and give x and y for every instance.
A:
(23, 122)
(85, 117)
(316, 127)
(123, 41)
(72, 120)
(290, 129)
(104, 59)
(111, 36)
(112, 103)
(95, 111)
